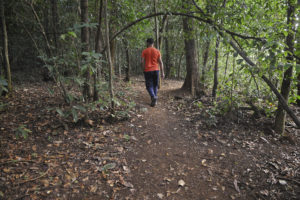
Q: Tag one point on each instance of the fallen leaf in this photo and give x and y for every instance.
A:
(34, 147)
(127, 184)
(108, 166)
(181, 183)
(93, 188)
(6, 170)
(236, 186)
(89, 122)
(126, 169)
(160, 195)
(282, 182)
(264, 192)
(203, 162)
(167, 179)
(45, 182)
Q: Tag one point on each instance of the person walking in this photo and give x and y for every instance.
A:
(151, 65)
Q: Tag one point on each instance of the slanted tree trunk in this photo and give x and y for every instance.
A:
(192, 73)
(6, 56)
(287, 78)
(216, 68)
(111, 88)
(85, 45)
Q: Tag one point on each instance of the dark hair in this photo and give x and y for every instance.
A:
(150, 41)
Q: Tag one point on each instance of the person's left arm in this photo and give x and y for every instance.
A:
(161, 64)
(143, 62)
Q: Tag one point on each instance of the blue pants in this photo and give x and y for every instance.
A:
(152, 81)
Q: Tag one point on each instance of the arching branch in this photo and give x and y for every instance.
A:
(207, 21)
(221, 31)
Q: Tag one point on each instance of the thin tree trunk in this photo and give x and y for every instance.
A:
(8, 72)
(167, 53)
(216, 69)
(226, 66)
(85, 45)
(205, 59)
(111, 90)
(127, 75)
(162, 30)
(179, 66)
(287, 79)
(98, 45)
(54, 23)
(156, 26)
(232, 82)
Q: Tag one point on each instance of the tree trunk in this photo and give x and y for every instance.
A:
(5, 40)
(156, 26)
(127, 75)
(226, 66)
(54, 23)
(216, 69)
(113, 53)
(179, 66)
(98, 46)
(85, 45)
(167, 53)
(287, 78)
(298, 63)
(111, 90)
(205, 59)
(162, 30)
(192, 74)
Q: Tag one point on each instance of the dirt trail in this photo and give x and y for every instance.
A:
(165, 156)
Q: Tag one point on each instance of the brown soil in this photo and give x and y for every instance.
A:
(175, 150)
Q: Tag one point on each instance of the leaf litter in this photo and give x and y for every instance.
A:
(55, 160)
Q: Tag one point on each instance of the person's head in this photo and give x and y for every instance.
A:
(150, 41)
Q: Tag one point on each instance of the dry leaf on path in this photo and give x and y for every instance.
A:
(236, 186)
(181, 183)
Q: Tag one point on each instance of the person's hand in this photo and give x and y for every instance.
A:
(163, 75)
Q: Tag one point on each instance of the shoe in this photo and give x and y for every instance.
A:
(153, 101)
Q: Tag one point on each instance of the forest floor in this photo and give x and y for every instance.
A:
(180, 149)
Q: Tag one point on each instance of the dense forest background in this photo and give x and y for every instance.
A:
(238, 56)
(232, 50)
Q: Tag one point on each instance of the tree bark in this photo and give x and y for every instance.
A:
(127, 69)
(54, 23)
(167, 53)
(6, 55)
(205, 58)
(216, 68)
(179, 66)
(156, 26)
(85, 45)
(98, 46)
(287, 79)
(111, 89)
(162, 30)
(192, 74)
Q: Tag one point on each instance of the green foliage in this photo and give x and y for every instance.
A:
(3, 85)
(22, 131)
